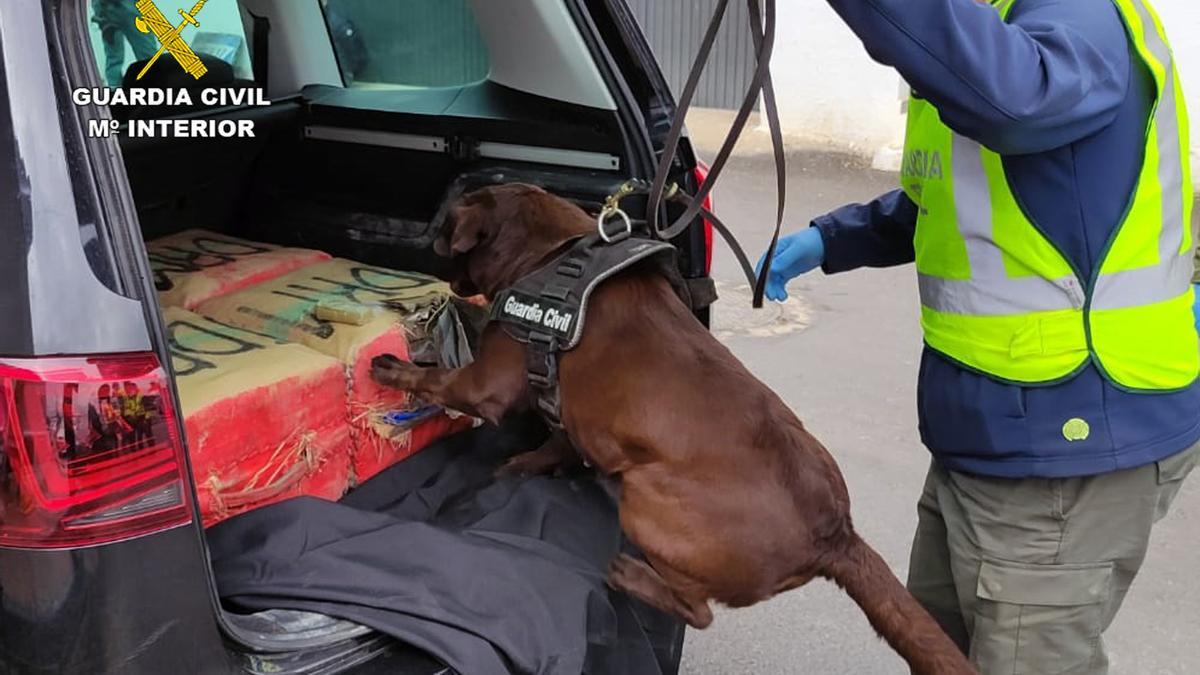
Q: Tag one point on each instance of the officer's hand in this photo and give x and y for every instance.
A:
(796, 254)
(1196, 307)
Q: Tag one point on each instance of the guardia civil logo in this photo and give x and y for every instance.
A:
(170, 37)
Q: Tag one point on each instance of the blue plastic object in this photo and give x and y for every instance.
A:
(404, 418)
(1196, 307)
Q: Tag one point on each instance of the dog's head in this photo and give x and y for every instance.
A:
(496, 235)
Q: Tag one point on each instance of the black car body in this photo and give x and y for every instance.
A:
(105, 570)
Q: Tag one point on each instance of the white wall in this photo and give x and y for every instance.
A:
(831, 94)
(829, 91)
(1182, 18)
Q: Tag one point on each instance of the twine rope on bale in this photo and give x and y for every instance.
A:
(373, 413)
(292, 460)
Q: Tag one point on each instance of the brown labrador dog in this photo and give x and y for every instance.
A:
(733, 502)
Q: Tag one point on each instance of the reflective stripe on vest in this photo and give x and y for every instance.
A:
(1159, 283)
(999, 297)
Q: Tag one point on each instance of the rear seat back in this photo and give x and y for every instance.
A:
(186, 183)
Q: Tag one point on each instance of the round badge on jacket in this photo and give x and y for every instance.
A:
(1076, 430)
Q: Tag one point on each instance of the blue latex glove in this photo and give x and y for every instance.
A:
(1196, 307)
(796, 254)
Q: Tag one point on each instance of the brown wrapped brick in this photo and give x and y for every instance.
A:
(196, 265)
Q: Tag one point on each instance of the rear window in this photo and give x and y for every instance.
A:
(121, 36)
(390, 44)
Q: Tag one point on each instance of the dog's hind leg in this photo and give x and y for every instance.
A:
(640, 580)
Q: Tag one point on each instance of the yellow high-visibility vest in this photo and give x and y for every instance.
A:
(998, 297)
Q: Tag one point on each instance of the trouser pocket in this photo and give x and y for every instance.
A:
(1040, 619)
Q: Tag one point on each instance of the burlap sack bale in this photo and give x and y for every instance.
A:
(346, 310)
(265, 421)
(196, 265)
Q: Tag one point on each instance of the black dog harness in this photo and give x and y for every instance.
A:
(547, 309)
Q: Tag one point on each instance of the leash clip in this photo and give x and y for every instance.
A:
(612, 209)
(613, 201)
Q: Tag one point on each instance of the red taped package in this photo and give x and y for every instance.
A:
(352, 312)
(265, 420)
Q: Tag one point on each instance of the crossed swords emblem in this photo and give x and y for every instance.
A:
(169, 36)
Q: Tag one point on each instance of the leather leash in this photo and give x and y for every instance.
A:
(763, 34)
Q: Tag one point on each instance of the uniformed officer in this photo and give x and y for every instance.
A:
(1046, 201)
(116, 21)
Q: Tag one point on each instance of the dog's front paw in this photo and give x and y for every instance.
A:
(390, 371)
(536, 463)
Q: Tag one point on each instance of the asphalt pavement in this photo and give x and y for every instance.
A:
(844, 355)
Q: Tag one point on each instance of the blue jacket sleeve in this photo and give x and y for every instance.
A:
(1055, 73)
(877, 234)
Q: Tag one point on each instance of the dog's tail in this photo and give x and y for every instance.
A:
(894, 612)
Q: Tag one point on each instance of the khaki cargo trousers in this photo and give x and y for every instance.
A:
(1026, 575)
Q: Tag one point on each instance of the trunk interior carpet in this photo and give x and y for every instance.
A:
(491, 576)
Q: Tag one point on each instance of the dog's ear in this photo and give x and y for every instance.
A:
(467, 223)
(468, 229)
(461, 231)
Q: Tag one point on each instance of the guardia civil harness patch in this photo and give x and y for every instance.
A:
(547, 309)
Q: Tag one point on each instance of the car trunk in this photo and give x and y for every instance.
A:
(317, 232)
(329, 171)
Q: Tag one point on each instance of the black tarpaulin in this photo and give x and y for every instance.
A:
(490, 576)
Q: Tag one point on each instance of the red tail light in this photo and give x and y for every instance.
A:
(702, 176)
(89, 451)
